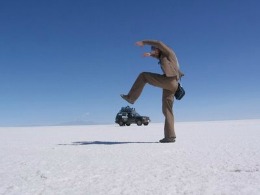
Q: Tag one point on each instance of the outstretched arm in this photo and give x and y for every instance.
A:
(158, 44)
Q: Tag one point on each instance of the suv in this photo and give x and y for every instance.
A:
(127, 116)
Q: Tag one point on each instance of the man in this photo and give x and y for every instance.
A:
(168, 82)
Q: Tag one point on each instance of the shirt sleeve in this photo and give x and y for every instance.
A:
(158, 44)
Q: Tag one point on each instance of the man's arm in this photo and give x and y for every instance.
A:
(158, 44)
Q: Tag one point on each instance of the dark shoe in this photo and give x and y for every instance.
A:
(168, 140)
(126, 98)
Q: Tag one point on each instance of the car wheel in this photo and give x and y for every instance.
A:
(128, 124)
(146, 124)
(139, 123)
(121, 123)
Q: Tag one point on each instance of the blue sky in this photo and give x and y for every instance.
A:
(64, 60)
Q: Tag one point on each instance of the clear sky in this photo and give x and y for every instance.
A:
(67, 60)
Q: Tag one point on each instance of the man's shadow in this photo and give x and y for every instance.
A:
(105, 143)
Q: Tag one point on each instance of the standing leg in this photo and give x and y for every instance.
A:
(167, 106)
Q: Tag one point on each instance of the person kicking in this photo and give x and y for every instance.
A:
(168, 81)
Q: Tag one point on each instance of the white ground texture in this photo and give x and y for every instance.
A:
(221, 157)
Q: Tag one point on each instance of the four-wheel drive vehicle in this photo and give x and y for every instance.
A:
(127, 116)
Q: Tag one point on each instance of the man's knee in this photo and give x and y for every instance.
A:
(143, 76)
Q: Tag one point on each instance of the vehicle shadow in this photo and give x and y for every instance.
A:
(105, 143)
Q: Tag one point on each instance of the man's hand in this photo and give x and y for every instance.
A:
(139, 43)
(147, 54)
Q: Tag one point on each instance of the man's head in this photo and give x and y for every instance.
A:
(155, 51)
